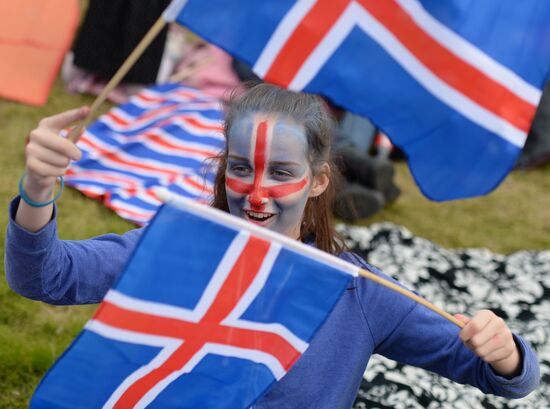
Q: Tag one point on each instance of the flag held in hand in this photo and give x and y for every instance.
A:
(209, 313)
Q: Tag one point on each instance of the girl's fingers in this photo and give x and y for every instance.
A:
(53, 142)
(498, 354)
(475, 325)
(63, 120)
(48, 156)
(43, 170)
(486, 336)
(462, 318)
(496, 342)
(490, 338)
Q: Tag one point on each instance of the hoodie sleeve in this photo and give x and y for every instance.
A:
(410, 333)
(42, 267)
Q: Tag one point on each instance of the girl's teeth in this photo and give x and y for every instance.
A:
(258, 215)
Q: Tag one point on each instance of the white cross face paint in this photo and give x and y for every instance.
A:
(268, 177)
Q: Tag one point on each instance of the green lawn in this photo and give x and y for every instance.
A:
(516, 216)
(32, 335)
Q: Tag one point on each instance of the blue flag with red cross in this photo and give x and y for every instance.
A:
(454, 83)
(209, 312)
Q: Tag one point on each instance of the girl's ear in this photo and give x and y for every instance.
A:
(320, 181)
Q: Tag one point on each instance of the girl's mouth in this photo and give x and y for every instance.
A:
(258, 217)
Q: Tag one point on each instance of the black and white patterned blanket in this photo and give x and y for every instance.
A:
(516, 287)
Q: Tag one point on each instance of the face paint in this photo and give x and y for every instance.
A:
(268, 174)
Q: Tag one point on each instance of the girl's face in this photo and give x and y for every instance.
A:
(268, 176)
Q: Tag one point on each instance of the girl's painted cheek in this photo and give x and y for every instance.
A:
(285, 189)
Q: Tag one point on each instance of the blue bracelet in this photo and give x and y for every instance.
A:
(31, 202)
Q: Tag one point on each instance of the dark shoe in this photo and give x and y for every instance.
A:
(391, 193)
(383, 172)
(357, 202)
(371, 172)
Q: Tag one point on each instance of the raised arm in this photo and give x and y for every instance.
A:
(38, 264)
(47, 157)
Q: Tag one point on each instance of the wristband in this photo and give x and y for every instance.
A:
(31, 202)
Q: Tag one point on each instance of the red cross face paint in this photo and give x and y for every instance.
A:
(268, 174)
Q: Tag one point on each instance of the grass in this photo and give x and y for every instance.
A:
(33, 335)
(516, 216)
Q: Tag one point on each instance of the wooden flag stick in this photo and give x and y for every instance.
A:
(392, 286)
(74, 134)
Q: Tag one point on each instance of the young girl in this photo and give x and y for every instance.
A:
(276, 172)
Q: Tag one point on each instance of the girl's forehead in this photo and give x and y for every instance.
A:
(286, 137)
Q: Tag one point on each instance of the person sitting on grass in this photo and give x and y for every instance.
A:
(275, 172)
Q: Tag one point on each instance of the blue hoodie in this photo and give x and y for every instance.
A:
(368, 319)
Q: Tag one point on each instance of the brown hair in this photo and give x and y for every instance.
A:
(306, 109)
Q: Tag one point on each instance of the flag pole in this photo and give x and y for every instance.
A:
(392, 286)
(74, 134)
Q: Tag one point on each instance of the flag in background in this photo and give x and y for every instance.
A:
(163, 137)
(455, 84)
(209, 312)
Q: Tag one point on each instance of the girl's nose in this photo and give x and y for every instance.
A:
(257, 199)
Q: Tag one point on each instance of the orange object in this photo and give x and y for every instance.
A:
(34, 37)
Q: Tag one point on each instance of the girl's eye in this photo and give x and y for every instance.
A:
(240, 170)
(281, 173)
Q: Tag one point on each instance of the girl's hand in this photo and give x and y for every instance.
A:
(488, 336)
(48, 154)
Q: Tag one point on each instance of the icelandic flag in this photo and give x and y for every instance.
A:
(454, 83)
(163, 137)
(209, 312)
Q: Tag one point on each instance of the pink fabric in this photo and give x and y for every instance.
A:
(214, 74)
